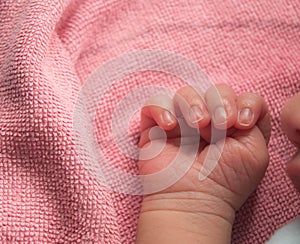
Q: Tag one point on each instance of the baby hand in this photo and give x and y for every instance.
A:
(242, 158)
(290, 119)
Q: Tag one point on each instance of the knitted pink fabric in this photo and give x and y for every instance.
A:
(48, 49)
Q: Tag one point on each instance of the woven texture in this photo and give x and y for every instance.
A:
(48, 49)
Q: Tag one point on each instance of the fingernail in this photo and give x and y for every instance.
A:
(245, 117)
(167, 118)
(220, 116)
(195, 114)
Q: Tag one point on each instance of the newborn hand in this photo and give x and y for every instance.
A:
(290, 119)
(203, 208)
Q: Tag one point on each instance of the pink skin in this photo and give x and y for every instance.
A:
(290, 119)
(194, 211)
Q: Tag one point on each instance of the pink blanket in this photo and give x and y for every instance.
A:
(47, 51)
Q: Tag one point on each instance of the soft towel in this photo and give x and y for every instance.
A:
(49, 48)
